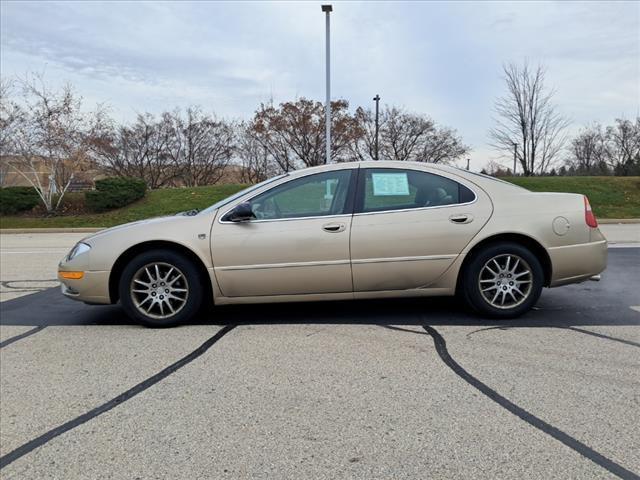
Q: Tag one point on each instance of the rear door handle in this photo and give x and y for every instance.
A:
(462, 218)
(333, 227)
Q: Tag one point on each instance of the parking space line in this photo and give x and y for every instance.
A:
(572, 443)
(28, 333)
(114, 402)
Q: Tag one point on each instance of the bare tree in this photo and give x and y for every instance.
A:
(495, 169)
(9, 112)
(363, 146)
(201, 147)
(256, 162)
(442, 145)
(589, 150)
(406, 136)
(293, 132)
(139, 150)
(598, 151)
(623, 140)
(527, 117)
(402, 134)
(49, 136)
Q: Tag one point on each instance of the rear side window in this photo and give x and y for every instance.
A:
(394, 189)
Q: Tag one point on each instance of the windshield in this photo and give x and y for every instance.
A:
(230, 199)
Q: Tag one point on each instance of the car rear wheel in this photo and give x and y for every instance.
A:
(160, 288)
(504, 280)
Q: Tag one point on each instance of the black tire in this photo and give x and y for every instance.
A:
(190, 281)
(475, 272)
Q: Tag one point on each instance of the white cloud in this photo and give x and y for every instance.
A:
(440, 58)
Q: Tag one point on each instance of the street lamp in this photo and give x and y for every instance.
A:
(377, 100)
(327, 109)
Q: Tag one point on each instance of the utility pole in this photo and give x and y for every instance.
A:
(327, 109)
(377, 100)
(468, 160)
(515, 154)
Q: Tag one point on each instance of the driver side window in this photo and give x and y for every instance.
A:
(312, 196)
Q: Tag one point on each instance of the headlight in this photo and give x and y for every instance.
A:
(79, 249)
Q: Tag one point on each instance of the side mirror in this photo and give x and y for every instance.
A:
(241, 213)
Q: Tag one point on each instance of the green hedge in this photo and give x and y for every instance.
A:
(115, 192)
(17, 199)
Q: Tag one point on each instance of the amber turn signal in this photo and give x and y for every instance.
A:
(71, 275)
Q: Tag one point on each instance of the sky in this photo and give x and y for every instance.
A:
(443, 59)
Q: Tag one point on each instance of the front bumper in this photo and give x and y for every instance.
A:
(93, 287)
(577, 263)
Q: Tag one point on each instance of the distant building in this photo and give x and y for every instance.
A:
(84, 175)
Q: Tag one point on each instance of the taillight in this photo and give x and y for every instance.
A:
(589, 217)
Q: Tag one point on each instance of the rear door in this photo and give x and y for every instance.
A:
(410, 225)
(297, 244)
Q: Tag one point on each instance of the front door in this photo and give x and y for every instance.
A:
(298, 242)
(409, 226)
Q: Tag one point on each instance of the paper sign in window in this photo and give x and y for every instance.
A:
(390, 184)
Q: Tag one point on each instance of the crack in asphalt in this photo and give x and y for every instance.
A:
(538, 423)
(7, 283)
(28, 333)
(601, 335)
(12, 289)
(575, 329)
(114, 402)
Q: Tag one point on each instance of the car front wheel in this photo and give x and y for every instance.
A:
(503, 280)
(160, 288)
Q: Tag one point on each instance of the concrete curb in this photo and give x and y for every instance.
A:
(607, 221)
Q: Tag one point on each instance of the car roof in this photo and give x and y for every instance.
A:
(377, 164)
(484, 181)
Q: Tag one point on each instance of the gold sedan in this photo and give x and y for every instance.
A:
(345, 231)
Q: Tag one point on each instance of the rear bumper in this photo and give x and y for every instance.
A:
(577, 263)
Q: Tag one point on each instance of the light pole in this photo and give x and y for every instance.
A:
(377, 100)
(515, 153)
(327, 109)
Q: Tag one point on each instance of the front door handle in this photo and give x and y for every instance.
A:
(462, 218)
(333, 227)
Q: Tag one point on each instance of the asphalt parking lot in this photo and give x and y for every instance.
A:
(385, 389)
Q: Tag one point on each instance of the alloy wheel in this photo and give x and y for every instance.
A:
(159, 290)
(505, 281)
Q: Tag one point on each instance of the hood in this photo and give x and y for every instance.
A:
(137, 224)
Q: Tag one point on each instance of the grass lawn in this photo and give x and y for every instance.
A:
(611, 197)
(156, 203)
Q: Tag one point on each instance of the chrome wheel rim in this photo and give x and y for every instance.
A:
(159, 290)
(505, 281)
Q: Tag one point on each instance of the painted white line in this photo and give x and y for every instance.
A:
(635, 308)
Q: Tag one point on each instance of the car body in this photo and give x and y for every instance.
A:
(348, 231)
